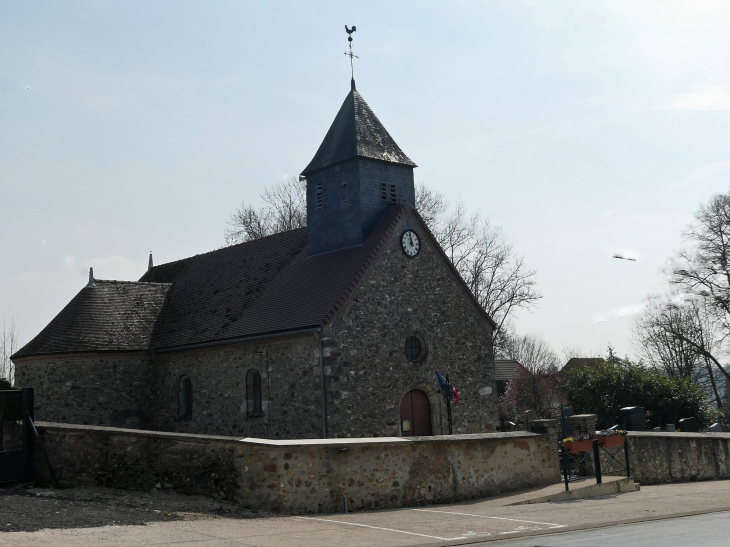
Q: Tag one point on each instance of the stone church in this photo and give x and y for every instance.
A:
(334, 330)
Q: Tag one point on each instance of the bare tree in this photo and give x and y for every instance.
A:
(653, 339)
(534, 387)
(8, 346)
(497, 277)
(702, 271)
(533, 353)
(677, 334)
(430, 204)
(703, 268)
(285, 209)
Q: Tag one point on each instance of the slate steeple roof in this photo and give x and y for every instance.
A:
(356, 131)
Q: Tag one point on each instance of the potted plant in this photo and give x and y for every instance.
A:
(579, 443)
(611, 437)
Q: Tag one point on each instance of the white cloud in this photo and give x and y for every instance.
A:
(703, 101)
(622, 312)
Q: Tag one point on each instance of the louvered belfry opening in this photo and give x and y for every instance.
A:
(357, 173)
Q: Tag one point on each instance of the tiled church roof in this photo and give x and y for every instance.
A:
(264, 286)
(105, 316)
(356, 131)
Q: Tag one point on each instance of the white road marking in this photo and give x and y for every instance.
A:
(487, 517)
(381, 528)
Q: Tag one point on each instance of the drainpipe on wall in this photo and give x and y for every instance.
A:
(267, 416)
(323, 387)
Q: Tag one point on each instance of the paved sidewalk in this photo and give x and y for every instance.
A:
(456, 524)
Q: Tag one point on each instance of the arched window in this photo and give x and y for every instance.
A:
(253, 393)
(185, 398)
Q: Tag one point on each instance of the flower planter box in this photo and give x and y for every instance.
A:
(612, 440)
(574, 447)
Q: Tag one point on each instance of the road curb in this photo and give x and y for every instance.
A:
(568, 529)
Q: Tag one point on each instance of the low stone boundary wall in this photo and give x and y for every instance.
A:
(678, 457)
(300, 476)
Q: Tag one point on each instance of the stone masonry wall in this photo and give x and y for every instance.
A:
(90, 388)
(303, 477)
(366, 370)
(290, 385)
(366, 367)
(678, 457)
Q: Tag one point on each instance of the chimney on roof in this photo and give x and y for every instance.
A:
(149, 265)
(91, 278)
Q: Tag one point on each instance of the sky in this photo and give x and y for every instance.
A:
(583, 129)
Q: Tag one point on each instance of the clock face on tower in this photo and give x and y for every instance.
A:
(410, 243)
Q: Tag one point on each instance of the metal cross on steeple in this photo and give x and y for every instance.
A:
(351, 55)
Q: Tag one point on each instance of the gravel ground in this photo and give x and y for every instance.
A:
(27, 509)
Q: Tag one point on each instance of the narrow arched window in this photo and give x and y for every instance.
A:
(253, 393)
(185, 398)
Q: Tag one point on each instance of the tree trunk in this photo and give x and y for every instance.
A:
(712, 381)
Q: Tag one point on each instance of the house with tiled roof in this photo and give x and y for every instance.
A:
(333, 330)
(504, 371)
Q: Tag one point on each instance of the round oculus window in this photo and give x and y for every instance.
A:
(415, 348)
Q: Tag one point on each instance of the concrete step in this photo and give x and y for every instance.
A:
(587, 489)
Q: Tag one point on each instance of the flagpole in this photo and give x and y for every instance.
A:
(447, 396)
(448, 391)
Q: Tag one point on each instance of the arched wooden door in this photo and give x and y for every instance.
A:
(415, 414)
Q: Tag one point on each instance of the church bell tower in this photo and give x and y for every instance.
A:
(355, 175)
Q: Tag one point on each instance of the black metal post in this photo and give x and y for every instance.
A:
(597, 462)
(447, 396)
(28, 431)
(626, 455)
(564, 460)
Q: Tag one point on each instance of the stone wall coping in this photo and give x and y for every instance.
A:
(192, 437)
(674, 435)
(584, 417)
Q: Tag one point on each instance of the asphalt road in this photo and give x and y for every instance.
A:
(710, 530)
(94, 517)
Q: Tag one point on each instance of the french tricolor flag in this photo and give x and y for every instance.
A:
(443, 385)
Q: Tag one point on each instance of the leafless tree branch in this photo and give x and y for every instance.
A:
(285, 209)
(8, 346)
(678, 334)
(496, 275)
